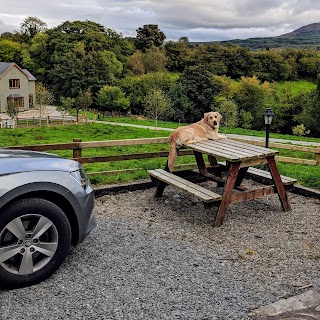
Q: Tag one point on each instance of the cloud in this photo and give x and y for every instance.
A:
(199, 20)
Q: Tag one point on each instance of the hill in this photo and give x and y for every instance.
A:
(304, 37)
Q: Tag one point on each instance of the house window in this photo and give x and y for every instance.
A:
(14, 83)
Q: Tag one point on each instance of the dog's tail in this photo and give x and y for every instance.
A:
(173, 154)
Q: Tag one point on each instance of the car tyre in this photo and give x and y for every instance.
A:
(35, 237)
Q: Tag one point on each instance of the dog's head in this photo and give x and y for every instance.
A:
(212, 119)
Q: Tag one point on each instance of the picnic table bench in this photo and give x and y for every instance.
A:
(239, 158)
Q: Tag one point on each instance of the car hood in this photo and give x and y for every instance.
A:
(14, 161)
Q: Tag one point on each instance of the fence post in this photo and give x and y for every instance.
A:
(77, 152)
(317, 157)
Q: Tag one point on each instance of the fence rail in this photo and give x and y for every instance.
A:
(77, 147)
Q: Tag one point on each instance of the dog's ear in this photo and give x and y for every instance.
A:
(219, 116)
(206, 117)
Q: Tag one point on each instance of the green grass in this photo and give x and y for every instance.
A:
(306, 175)
(294, 86)
(143, 122)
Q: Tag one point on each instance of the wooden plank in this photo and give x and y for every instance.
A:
(252, 194)
(193, 185)
(91, 144)
(125, 142)
(133, 156)
(297, 160)
(267, 174)
(266, 151)
(185, 185)
(212, 152)
(217, 145)
(253, 162)
(279, 145)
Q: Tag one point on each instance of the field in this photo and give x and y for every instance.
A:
(307, 175)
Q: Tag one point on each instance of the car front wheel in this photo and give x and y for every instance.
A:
(35, 237)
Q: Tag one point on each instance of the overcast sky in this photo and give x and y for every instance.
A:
(199, 20)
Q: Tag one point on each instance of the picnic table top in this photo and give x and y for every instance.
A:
(232, 150)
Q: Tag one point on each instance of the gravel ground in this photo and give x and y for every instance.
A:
(161, 259)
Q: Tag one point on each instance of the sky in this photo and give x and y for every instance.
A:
(199, 20)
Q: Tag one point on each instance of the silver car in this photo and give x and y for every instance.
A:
(46, 205)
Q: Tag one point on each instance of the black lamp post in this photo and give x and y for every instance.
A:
(268, 116)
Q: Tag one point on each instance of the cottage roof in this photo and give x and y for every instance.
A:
(5, 66)
(29, 75)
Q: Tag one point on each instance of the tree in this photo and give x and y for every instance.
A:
(154, 60)
(84, 100)
(12, 108)
(135, 63)
(30, 27)
(78, 70)
(157, 104)
(180, 103)
(112, 99)
(66, 104)
(9, 51)
(148, 36)
(136, 88)
(200, 88)
(179, 55)
(310, 115)
(229, 112)
(250, 96)
(44, 97)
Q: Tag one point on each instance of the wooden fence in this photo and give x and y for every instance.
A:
(45, 120)
(77, 147)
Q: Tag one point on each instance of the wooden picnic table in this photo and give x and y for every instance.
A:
(238, 157)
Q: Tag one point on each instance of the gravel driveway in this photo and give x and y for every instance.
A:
(161, 259)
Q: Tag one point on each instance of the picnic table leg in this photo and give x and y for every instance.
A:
(230, 183)
(278, 183)
(161, 184)
(200, 162)
(241, 175)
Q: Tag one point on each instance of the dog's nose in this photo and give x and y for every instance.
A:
(215, 122)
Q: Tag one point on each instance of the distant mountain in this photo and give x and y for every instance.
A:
(304, 37)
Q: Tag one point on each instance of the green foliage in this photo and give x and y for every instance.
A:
(157, 104)
(200, 88)
(151, 61)
(245, 119)
(84, 100)
(66, 104)
(229, 111)
(43, 94)
(149, 36)
(250, 96)
(179, 55)
(12, 108)
(30, 27)
(180, 103)
(136, 88)
(135, 63)
(9, 51)
(270, 65)
(112, 99)
(154, 60)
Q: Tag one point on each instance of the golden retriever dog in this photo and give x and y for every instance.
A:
(205, 129)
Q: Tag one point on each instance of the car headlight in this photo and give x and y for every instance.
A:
(81, 177)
